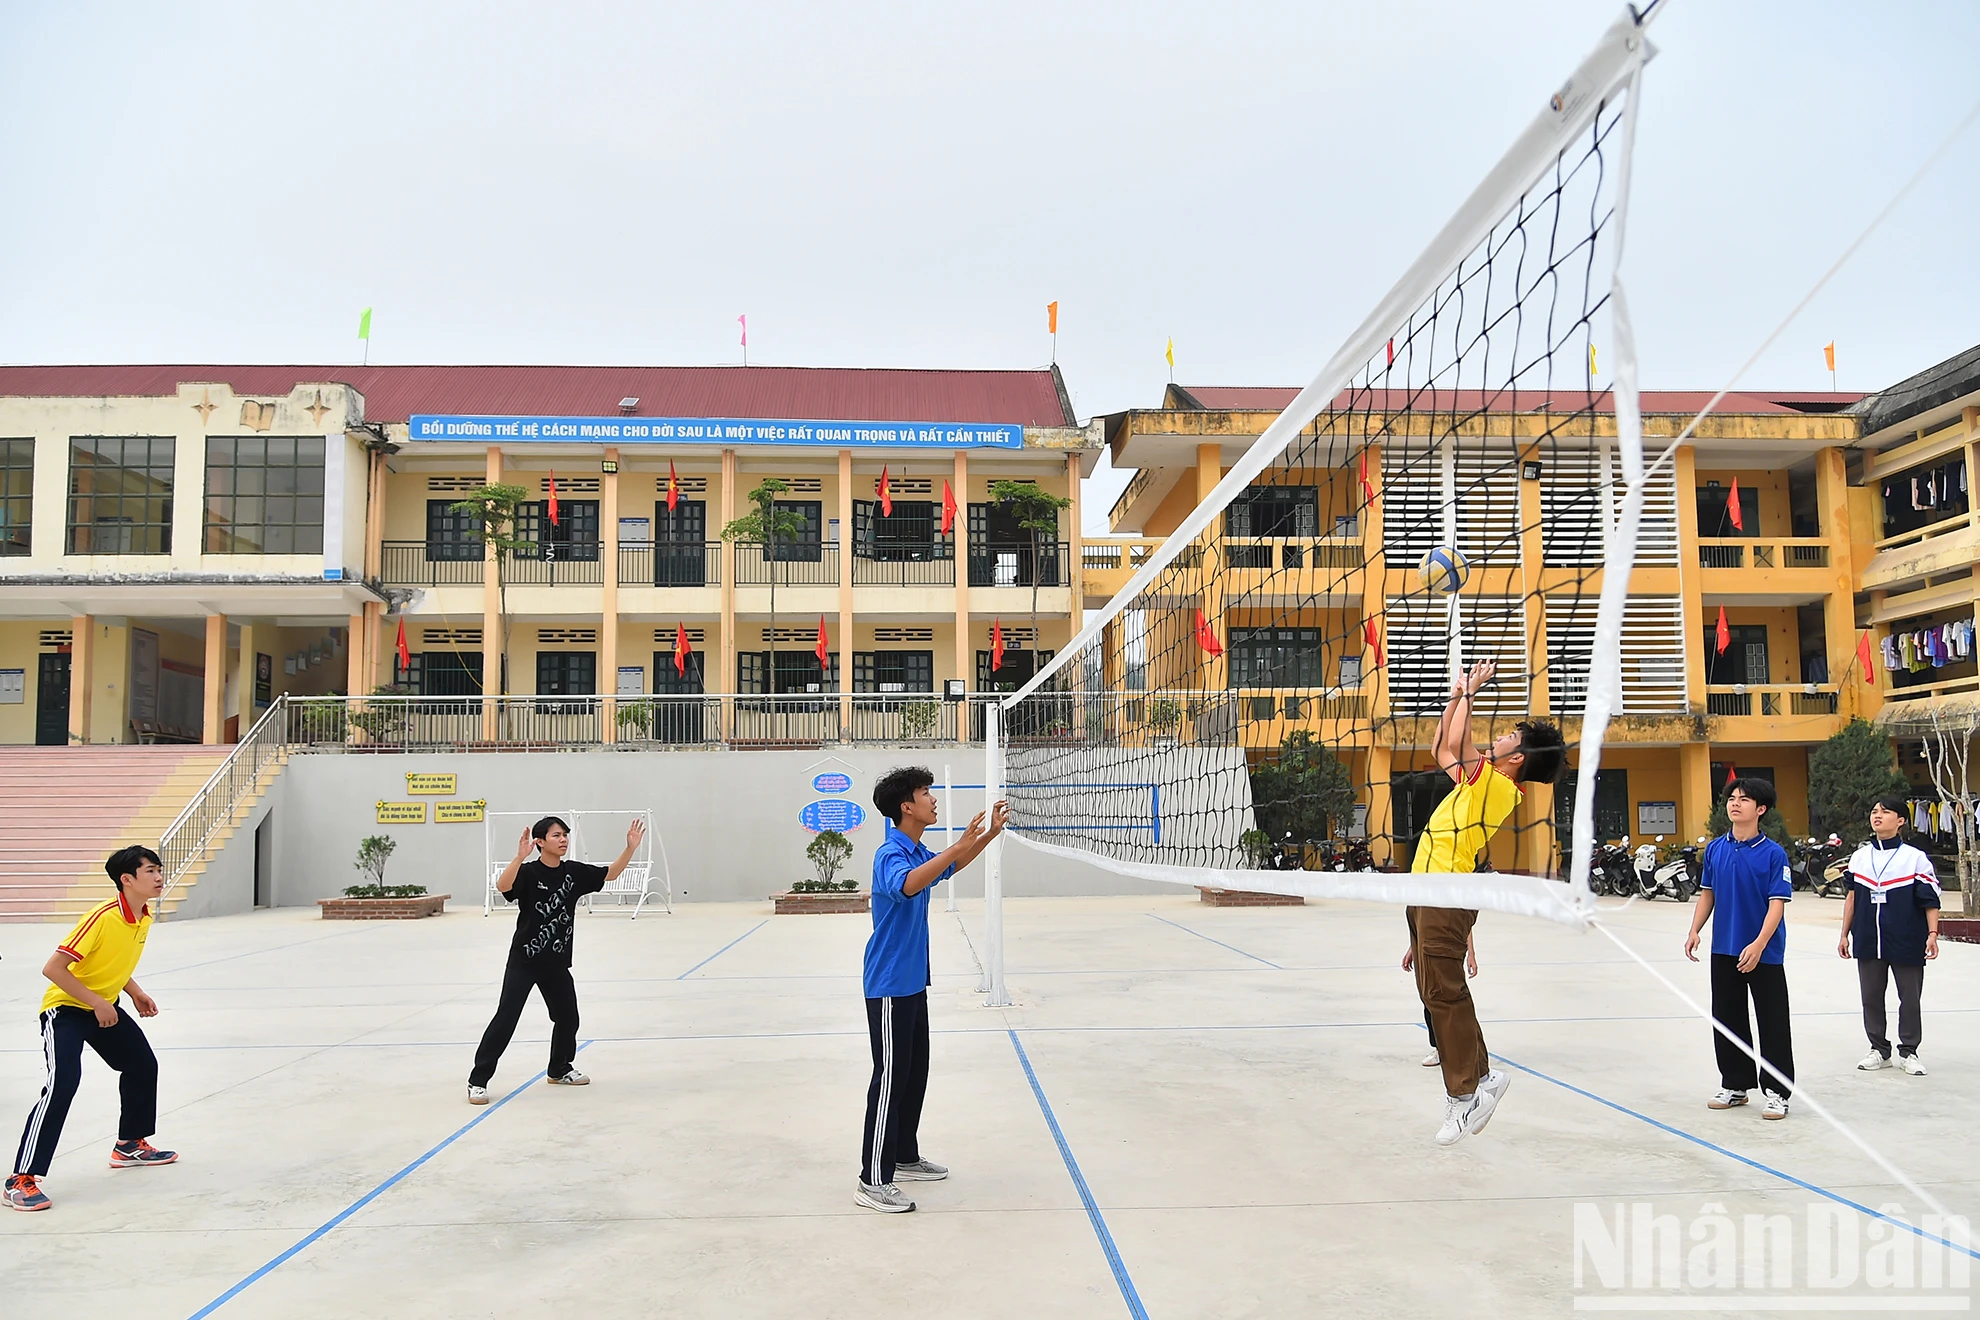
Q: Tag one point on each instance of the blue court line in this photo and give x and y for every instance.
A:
(1232, 947)
(1736, 1157)
(724, 949)
(363, 1201)
(1093, 1215)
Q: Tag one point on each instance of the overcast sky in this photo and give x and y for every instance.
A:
(910, 185)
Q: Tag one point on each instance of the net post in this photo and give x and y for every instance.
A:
(993, 865)
(949, 831)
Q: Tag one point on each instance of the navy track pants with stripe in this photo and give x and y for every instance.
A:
(898, 1027)
(64, 1032)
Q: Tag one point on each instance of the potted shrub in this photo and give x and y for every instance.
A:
(1165, 717)
(824, 892)
(919, 720)
(374, 900)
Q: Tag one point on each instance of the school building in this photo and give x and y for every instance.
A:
(1852, 513)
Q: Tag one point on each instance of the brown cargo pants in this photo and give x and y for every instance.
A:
(1439, 936)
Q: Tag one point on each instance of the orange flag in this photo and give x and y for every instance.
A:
(553, 499)
(673, 487)
(405, 656)
(1863, 650)
(886, 499)
(823, 650)
(1051, 318)
(996, 645)
(1829, 354)
(1722, 635)
(948, 509)
(1371, 640)
(681, 648)
(1732, 507)
(1206, 636)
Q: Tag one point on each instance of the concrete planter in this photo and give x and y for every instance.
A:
(382, 909)
(1245, 898)
(797, 904)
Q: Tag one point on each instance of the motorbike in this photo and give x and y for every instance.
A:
(1610, 872)
(1829, 867)
(1289, 857)
(1661, 875)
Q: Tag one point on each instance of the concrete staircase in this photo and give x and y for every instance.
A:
(67, 808)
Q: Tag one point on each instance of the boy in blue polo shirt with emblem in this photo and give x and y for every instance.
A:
(897, 978)
(1745, 890)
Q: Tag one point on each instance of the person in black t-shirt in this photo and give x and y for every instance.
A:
(546, 891)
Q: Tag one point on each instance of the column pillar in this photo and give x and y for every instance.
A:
(214, 726)
(492, 622)
(726, 680)
(244, 697)
(82, 675)
(965, 667)
(845, 587)
(1839, 605)
(1695, 788)
(1535, 846)
(608, 620)
(1213, 669)
(354, 656)
(1374, 677)
(1075, 553)
(1685, 473)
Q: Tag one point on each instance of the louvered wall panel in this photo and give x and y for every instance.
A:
(1653, 653)
(1492, 628)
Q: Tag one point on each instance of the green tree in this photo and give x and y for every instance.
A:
(768, 526)
(493, 508)
(1301, 790)
(1854, 768)
(1036, 510)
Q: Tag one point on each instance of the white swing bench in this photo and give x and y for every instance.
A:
(645, 879)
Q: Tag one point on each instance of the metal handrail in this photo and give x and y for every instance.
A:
(236, 776)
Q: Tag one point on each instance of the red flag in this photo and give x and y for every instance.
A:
(1722, 634)
(1371, 640)
(1732, 773)
(553, 499)
(886, 500)
(1732, 509)
(948, 509)
(405, 656)
(823, 650)
(1392, 351)
(681, 648)
(673, 487)
(1863, 654)
(996, 645)
(1367, 491)
(1206, 636)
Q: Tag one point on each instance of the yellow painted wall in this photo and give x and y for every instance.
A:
(1783, 636)
(1775, 519)
(20, 648)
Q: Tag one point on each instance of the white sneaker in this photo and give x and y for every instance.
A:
(477, 1095)
(1776, 1106)
(1873, 1061)
(571, 1078)
(1433, 1060)
(888, 1199)
(1910, 1063)
(1727, 1099)
(1464, 1117)
(1494, 1084)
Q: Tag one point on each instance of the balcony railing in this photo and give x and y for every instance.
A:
(1792, 552)
(554, 565)
(1020, 564)
(798, 564)
(933, 565)
(670, 564)
(430, 564)
(1770, 699)
(1292, 552)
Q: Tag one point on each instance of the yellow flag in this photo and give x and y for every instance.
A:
(1171, 354)
(1591, 360)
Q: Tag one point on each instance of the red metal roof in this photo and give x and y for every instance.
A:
(1271, 398)
(395, 393)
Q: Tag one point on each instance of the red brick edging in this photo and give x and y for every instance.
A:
(798, 904)
(382, 909)
(1966, 930)
(1246, 898)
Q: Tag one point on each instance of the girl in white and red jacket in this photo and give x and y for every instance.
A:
(1892, 917)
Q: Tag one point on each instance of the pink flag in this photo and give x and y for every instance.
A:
(743, 321)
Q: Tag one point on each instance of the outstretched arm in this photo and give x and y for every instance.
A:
(634, 833)
(960, 853)
(1453, 747)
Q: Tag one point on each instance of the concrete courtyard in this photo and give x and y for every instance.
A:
(1190, 1112)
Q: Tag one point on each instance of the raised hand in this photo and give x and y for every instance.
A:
(525, 846)
(634, 833)
(1481, 673)
(1000, 816)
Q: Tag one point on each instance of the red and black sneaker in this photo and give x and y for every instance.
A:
(23, 1193)
(139, 1154)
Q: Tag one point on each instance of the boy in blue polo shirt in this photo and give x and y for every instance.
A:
(1747, 883)
(897, 978)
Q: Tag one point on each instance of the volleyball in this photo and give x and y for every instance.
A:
(1444, 571)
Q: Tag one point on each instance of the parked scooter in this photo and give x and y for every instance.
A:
(1667, 876)
(1610, 872)
(1828, 867)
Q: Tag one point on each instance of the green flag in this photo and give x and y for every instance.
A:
(364, 325)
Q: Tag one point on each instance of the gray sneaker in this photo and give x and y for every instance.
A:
(887, 1199)
(920, 1171)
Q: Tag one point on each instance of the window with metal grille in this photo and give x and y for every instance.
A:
(574, 536)
(808, 547)
(1611, 806)
(893, 671)
(797, 671)
(264, 495)
(910, 532)
(16, 495)
(566, 674)
(1274, 511)
(1276, 658)
(120, 495)
(451, 534)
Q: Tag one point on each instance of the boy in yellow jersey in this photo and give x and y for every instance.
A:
(88, 972)
(1488, 787)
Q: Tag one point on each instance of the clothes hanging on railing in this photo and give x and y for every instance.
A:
(1915, 649)
(1936, 818)
(1938, 489)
